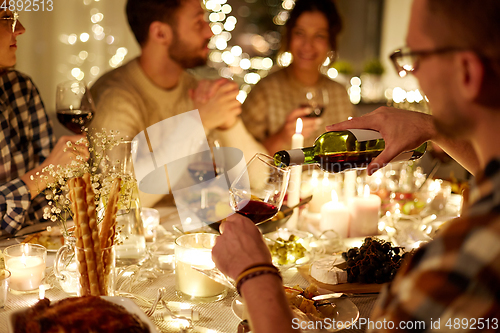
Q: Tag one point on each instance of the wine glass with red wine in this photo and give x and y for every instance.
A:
(259, 191)
(74, 105)
(314, 98)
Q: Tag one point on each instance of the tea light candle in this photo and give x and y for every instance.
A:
(295, 176)
(365, 212)
(192, 250)
(335, 216)
(27, 272)
(192, 282)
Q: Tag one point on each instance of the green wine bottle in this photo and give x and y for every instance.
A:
(342, 150)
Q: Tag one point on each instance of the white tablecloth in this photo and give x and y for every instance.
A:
(214, 317)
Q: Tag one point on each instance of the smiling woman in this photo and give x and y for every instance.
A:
(272, 108)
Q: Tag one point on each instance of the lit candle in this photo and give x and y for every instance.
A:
(195, 250)
(321, 193)
(27, 272)
(295, 177)
(365, 212)
(335, 216)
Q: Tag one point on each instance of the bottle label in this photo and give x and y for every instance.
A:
(297, 156)
(365, 135)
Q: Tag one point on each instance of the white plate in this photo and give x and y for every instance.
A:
(345, 312)
(51, 238)
(128, 304)
(131, 307)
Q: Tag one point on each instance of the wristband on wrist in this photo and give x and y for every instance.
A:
(255, 271)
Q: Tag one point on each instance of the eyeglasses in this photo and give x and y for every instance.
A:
(406, 61)
(14, 18)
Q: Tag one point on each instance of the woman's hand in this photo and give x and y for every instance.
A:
(283, 137)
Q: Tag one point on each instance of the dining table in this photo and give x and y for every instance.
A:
(141, 284)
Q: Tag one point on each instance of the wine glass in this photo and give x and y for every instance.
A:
(74, 105)
(259, 191)
(315, 99)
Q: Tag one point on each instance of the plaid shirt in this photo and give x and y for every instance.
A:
(455, 279)
(278, 94)
(26, 140)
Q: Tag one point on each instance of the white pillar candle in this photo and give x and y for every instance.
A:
(365, 212)
(335, 216)
(350, 184)
(322, 191)
(295, 177)
(27, 272)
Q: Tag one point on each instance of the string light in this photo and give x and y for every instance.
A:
(96, 34)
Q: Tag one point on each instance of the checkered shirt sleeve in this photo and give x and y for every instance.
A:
(26, 139)
(452, 283)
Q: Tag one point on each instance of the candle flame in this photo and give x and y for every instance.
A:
(335, 197)
(325, 181)
(298, 126)
(367, 191)
(41, 293)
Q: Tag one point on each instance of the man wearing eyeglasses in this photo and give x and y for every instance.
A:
(453, 282)
(454, 52)
(26, 138)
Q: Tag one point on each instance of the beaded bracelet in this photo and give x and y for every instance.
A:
(254, 272)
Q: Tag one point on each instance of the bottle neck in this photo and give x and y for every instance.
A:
(301, 156)
(308, 155)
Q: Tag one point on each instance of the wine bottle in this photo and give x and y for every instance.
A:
(342, 150)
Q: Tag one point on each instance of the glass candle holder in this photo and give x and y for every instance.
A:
(26, 263)
(195, 250)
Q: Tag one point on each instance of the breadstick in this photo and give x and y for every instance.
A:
(94, 232)
(109, 222)
(108, 227)
(82, 264)
(90, 256)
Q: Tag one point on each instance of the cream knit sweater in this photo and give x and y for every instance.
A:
(128, 101)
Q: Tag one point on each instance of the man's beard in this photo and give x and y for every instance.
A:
(184, 54)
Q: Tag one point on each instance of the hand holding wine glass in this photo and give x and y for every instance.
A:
(240, 246)
(259, 191)
(74, 105)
